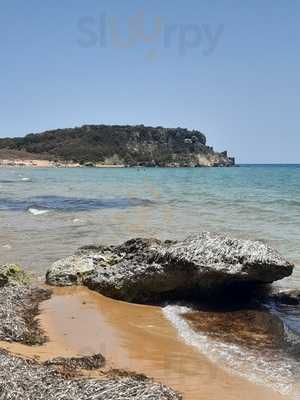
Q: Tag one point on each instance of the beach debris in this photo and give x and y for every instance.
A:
(95, 361)
(141, 270)
(59, 378)
(19, 307)
(22, 379)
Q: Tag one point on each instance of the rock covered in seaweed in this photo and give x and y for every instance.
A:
(227, 258)
(143, 269)
(70, 271)
(73, 270)
(12, 274)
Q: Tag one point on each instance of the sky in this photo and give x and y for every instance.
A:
(228, 68)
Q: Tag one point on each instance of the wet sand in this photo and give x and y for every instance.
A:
(136, 338)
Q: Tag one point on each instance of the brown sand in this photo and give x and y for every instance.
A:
(137, 338)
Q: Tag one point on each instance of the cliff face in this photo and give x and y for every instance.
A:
(128, 145)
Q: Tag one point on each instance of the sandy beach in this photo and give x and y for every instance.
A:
(136, 338)
(86, 206)
(150, 200)
(32, 163)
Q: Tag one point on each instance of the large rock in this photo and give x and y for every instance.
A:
(144, 269)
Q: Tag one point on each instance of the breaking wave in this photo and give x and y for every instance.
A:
(70, 204)
(36, 211)
(271, 369)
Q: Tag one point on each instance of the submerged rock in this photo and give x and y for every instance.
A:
(142, 270)
(288, 297)
(255, 329)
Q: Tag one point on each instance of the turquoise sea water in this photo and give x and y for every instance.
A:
(46, 214)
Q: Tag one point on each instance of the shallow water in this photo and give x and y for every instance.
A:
(251, 343)
(137, 338)
(46, 214)
(111, 205)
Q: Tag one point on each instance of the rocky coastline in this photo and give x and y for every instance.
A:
(142, 271)
(113, 146)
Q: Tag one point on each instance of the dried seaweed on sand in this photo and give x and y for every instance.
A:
(60, 378)
(19, 307)
(27, 380)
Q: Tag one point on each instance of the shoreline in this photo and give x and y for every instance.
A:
(39, 163)
(32, 163)
(31, 240)
(79, 322)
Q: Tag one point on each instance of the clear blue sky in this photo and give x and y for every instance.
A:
(229, 68)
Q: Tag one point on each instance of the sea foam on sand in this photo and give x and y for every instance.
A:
(277, 373)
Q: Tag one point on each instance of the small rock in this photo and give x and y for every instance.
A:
(12, 274)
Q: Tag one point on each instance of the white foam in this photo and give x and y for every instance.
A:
(36, 211)
(26, 179)
(275, 373)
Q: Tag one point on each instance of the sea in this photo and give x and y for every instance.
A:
(46, 214)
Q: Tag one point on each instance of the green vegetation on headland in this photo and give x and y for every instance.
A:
(118, 145)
